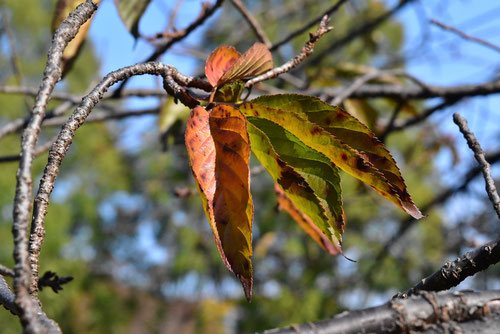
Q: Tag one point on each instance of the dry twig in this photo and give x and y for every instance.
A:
(474, 145)
(304, 53)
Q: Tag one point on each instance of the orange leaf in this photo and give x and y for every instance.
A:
(219, 153)
(219, 62)
(253, 62)
(285, 204)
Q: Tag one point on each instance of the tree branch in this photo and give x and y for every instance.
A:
(61, 145)
(29, 307)
(474, 145)
(414, 92)
(466, 36)
(466, 311)
(7, 297)
(206, 13)
(308, 25)
(304, 53)
(453, 273)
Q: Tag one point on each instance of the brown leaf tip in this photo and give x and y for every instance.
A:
(247, 283)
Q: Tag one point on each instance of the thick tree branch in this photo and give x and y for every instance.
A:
(61, 145)
(466, 310)
(454, 272)
(474, 145)
(29, 307)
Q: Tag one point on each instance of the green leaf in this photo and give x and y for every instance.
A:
(342, 138)
(229, 92)
(131, 12)
(296, 171)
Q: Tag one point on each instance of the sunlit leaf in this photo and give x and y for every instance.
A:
(254, 61)
(285, 204)
(63, 8)
(131, 12)
(219, 62)
(219, 152)
(344, 140)
(295, 185)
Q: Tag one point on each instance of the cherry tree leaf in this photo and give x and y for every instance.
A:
(72, 50)
(297, 179)
(131, 12)
(297, 115)
(253, 62)
(219, 62)
(219, 152)
(286, 204)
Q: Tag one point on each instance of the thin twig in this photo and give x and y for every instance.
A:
(392, 120)
(17, 124)
(22, 202)
(423, 115)
(5, 271)
(61, 145)
(304, 53)
(252, 22)
(454, 272)
(474, 145)
(308, 25)
(38, 152)
(466, 36)
(414, 92)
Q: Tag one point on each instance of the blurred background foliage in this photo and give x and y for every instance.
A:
(143, 258)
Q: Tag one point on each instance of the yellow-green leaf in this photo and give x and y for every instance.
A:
(131, 12)
(344, 140)
(293, 174)
(286, 204)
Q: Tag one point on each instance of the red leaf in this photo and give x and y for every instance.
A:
(219, 62)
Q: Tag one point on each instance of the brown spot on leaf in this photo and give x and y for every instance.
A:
(361, 165)
(344, 156)
(287, 178)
